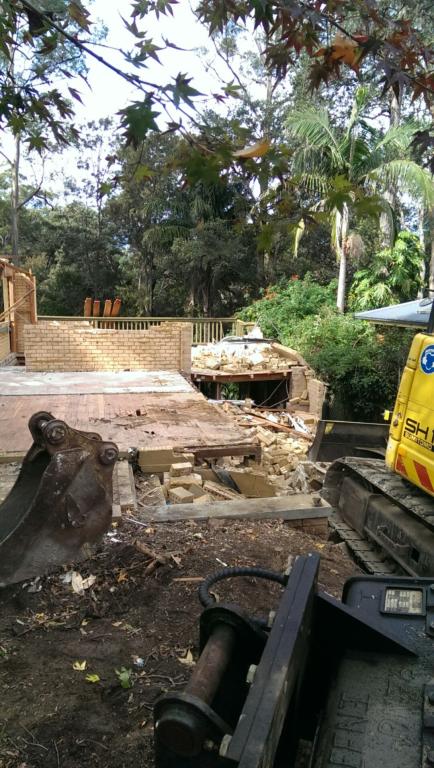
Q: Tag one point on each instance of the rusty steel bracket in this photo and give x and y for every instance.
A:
(61, 502)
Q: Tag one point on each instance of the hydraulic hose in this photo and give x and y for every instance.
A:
(228, 573)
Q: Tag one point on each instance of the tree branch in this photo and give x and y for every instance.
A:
(6, 157)
(133, 79)
(34, 192)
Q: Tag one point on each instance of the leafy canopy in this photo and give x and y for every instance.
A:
(364, 36)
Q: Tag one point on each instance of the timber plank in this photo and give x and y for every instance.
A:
(123, 476)
(300, 506)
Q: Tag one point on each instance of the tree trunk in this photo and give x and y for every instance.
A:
(148, 294)
(342, 222)
(15, 202)
(387, 225)
(431, 265)
(260, 267)
(387, 222)
(422, 271)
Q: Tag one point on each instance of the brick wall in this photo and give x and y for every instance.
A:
(70, 346)
(23, 314)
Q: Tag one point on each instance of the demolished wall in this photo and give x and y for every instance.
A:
(227, 357)
(67, 346)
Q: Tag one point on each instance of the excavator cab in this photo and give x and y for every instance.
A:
(410, 448)
(384, 507)
(61, 502)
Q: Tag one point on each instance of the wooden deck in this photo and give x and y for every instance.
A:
(179, 419)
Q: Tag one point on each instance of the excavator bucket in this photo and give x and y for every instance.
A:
(334, 439)
(61, 502)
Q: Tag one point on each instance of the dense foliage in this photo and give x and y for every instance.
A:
(393, 275)
(361, 365)
(284, 305)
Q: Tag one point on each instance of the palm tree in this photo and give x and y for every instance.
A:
(344, 170)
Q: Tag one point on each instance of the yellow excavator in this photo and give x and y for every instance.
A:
(385, 506)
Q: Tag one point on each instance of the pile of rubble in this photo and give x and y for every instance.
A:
(285, 438)
(186, 484)
(283, 469)
(231, 480)
(234, 356)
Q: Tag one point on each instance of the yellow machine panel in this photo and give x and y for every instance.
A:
(410, 450)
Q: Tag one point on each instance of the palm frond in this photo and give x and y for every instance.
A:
(407, 175)
(361, 101)
(312, 160)
(314, 183)
(398, 137)
(314, 129)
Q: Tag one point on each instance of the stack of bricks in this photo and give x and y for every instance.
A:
(183, 486)
(316, 392)
(68, 346)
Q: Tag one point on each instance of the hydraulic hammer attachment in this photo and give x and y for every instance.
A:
(61, 502)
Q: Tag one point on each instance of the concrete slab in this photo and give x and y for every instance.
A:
(15, 380)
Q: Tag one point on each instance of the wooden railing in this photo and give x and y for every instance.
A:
(205, 329)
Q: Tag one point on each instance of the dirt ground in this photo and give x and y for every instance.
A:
(137, 624)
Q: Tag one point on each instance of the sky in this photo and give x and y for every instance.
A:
(110, 92)
(106, 92)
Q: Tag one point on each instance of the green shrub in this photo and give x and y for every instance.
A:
(361, 364)
(284, 304)
(392, 276)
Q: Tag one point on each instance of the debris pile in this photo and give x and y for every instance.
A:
(241, 354)
(236, 356)
(183, 486)
(285, 437)
(283, 469)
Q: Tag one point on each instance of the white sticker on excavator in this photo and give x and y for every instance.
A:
(409, 601)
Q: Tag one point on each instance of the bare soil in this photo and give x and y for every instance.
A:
(141, 615)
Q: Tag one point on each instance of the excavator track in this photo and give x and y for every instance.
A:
(394, 487)
(386, 522)
(366, 554)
